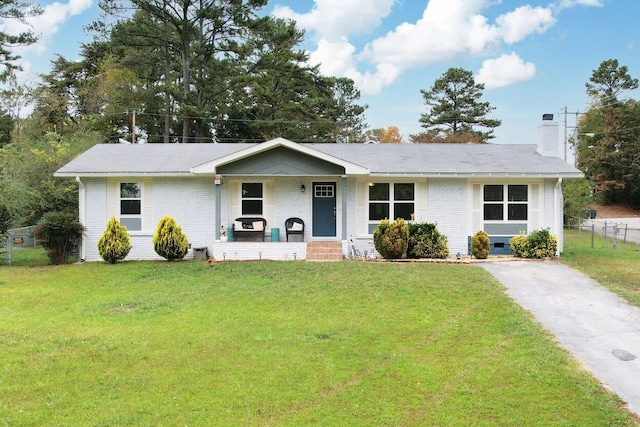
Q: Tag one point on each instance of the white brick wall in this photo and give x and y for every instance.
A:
(189, 201)
(240, 251)
(449, 208)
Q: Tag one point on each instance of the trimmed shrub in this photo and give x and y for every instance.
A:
(391, 238)
(425, 241)
(169, 241)
(519, 246)
(480, 245)
(539, 244)
(115, 244)
(58, 233)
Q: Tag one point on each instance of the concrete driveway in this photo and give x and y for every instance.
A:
(595, 325)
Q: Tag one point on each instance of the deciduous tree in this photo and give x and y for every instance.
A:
(391, 135)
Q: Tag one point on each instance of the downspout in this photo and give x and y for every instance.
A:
(82, 215)
(344, 208)
(557, 217)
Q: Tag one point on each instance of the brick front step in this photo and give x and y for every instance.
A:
(324, 251)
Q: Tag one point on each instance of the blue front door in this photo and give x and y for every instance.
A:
(324, 209)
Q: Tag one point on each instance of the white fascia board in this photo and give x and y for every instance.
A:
(475, 175)
(211, 166)
(117, 174)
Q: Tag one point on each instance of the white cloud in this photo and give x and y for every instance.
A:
(523, 21)
(565, 4)
(329, 18)
(505, 71)
(46, 25)
(446, 29)
(336, 58)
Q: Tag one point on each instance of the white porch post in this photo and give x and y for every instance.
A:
(218, 208)
(344, 208)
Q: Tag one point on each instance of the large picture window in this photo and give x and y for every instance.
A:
(252, 198)
(131, 205)
(506, 202)
(391, 201)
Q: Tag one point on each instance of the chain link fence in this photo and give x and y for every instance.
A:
(604, 231)
(16, 237)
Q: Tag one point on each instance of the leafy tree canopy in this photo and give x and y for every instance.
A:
(391, 135)
(608, 152)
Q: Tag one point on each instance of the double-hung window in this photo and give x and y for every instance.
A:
(131, 205)
(390, 201)
(506, 202)
(252, 198)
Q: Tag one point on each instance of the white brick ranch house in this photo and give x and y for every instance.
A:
(339, 191)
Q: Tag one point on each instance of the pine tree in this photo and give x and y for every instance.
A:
(455, 107)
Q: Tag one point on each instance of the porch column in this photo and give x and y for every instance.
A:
(344, 208)
(218, 209)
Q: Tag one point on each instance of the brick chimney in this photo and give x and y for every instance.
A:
(549, 137)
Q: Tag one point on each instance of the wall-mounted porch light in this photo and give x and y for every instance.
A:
(302, 188)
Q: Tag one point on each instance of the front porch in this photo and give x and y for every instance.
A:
(279, 251)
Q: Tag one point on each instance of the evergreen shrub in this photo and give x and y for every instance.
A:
(115, 244)
(480, 245)
(539, 244)
(391, 238)
(169, 241)
(425, 241)
(58, 233)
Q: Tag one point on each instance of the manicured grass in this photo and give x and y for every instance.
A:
(617, 269)
(281, 343)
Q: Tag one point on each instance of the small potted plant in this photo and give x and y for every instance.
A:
(223, 234)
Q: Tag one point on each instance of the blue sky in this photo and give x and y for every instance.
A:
(534, 57)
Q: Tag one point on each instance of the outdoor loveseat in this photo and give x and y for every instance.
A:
(249, 227)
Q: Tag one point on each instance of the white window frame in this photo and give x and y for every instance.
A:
(126, 216)
(506, 203)
(391, 202)
(261, 199)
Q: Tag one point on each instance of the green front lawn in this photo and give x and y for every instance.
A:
(281, 343)
(617, 269)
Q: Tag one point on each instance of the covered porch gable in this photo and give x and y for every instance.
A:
(279, 157)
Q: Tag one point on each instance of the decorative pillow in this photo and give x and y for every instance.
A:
(247, 226)
(296, 227)
(237, 225)
(257, 225)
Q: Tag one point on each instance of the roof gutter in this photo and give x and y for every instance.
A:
(119, 174)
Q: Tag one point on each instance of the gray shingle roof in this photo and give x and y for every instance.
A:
(380, 159)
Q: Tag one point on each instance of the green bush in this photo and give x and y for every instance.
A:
(577, 196)
(169, 241)
(58, 233)
(391, 239)
(115, 244)
(425, 241)
(480, 245)
(539, 244)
